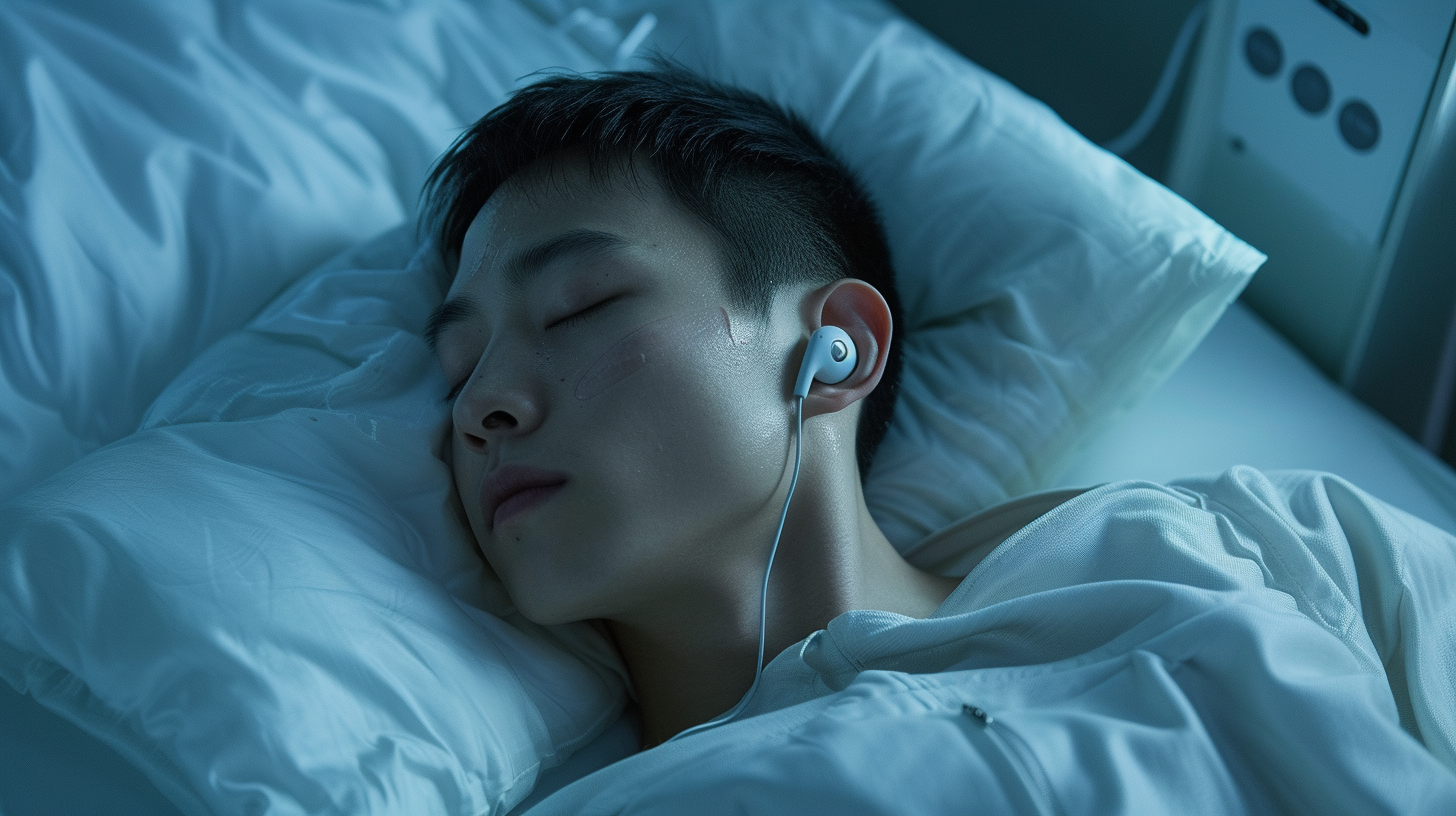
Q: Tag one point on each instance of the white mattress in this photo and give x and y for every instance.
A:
(1245, 396)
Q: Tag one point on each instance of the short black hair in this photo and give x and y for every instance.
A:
(788, 212)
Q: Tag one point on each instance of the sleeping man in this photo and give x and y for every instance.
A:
(641, 262)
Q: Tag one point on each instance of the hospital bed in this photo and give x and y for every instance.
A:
(203, 257)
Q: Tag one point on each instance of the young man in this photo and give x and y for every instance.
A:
(641, 261)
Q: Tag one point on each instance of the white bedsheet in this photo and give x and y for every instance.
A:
(1217, 645)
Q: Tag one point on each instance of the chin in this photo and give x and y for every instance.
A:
(546, 605)
(548, 614)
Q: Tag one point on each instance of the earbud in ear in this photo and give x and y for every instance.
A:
(830, 357)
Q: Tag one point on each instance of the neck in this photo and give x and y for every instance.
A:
(693, 658)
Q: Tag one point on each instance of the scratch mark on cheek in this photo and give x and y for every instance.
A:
(740, 337)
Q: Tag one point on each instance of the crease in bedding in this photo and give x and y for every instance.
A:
(1218, 644)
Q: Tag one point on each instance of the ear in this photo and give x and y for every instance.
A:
(862, 312)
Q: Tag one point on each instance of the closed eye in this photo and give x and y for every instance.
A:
(569, 320)
(573, 319)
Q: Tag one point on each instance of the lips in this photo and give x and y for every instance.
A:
(512, 489)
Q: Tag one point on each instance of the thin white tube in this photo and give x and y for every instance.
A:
(1143, 125)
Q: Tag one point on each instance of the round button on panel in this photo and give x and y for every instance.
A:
(1311, 88)
(1359, 125)
(1263, 51)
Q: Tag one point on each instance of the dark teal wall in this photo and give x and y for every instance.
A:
(1094, 63)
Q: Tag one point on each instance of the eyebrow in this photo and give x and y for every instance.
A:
(521, 268)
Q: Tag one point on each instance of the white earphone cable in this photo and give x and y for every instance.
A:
(763, 599)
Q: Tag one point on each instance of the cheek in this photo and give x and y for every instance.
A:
(688, 414)
(707, 335)
(687, 373)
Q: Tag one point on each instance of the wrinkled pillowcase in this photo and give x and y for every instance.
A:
(169, 169)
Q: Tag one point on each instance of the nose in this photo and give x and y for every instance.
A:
(490, 409)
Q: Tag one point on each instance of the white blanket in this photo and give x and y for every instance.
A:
(1247, 643)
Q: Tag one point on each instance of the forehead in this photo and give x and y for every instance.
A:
(556, 209)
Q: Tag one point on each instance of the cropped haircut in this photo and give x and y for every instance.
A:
(788, 213)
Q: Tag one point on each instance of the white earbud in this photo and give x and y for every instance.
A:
(830, 357)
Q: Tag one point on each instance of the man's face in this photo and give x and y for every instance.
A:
(616, 363)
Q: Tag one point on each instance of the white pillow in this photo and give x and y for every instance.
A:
(167, 169)
(188, 593)
(273, 605)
